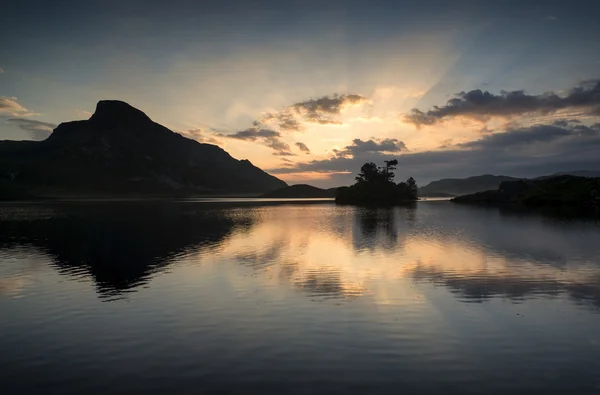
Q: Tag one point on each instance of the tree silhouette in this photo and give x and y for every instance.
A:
(375, 186)
(388, 171)
(368, 173)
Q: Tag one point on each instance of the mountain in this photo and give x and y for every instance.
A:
(120, 150)
(301, 191)
(463, 186)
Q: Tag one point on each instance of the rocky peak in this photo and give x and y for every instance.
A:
(115, 112)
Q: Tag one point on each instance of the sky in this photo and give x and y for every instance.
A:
(310, 90)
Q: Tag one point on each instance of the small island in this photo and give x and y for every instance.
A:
(375, 187)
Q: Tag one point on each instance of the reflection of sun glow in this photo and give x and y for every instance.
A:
(323, 254)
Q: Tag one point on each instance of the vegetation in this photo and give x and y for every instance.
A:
(375, 187)
(555, 191)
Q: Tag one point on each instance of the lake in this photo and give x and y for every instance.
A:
(242, 296)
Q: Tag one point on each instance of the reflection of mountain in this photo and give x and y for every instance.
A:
(119, 245)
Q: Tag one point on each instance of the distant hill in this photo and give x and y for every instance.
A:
(463, 186)
(449, 187)
(564, 190)
(301, 191)
(578, 173)
(120, 150)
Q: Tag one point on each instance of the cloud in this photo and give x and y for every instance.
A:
(322, 111)
(283, 153)
(527, 152)
(83, 113)
(283, 120)
(10, 107)
(38, 130)
(373, 145)
(1, 70)
(253, 134)
(202, 136)
(482, 105)
(303, 147)
(530, 135)
(551, 18)
(268, 137)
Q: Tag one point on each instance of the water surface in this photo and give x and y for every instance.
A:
(246, 296)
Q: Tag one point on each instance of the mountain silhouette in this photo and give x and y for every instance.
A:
(120, 150)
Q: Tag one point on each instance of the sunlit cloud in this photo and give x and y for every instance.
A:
(10, 107)
(202, 136)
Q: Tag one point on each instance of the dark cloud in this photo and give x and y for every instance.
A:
(481, 105)
(370, 146)
(565, 122)
(303, 147)
(268, 137)
(283, 120)
(320, 110)
(530, 135)
(523, 152)
(253, 134)
(37, 129)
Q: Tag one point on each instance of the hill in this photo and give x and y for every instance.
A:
(121, 151)
(463, 186)
(301, 191)
(555, 191)
(578, 173)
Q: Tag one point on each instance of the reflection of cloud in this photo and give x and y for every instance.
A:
(13, 286)
(320, 250)
(481, 286)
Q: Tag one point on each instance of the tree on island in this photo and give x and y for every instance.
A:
(375, 186)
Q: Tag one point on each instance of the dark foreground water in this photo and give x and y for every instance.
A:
(209, 297)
